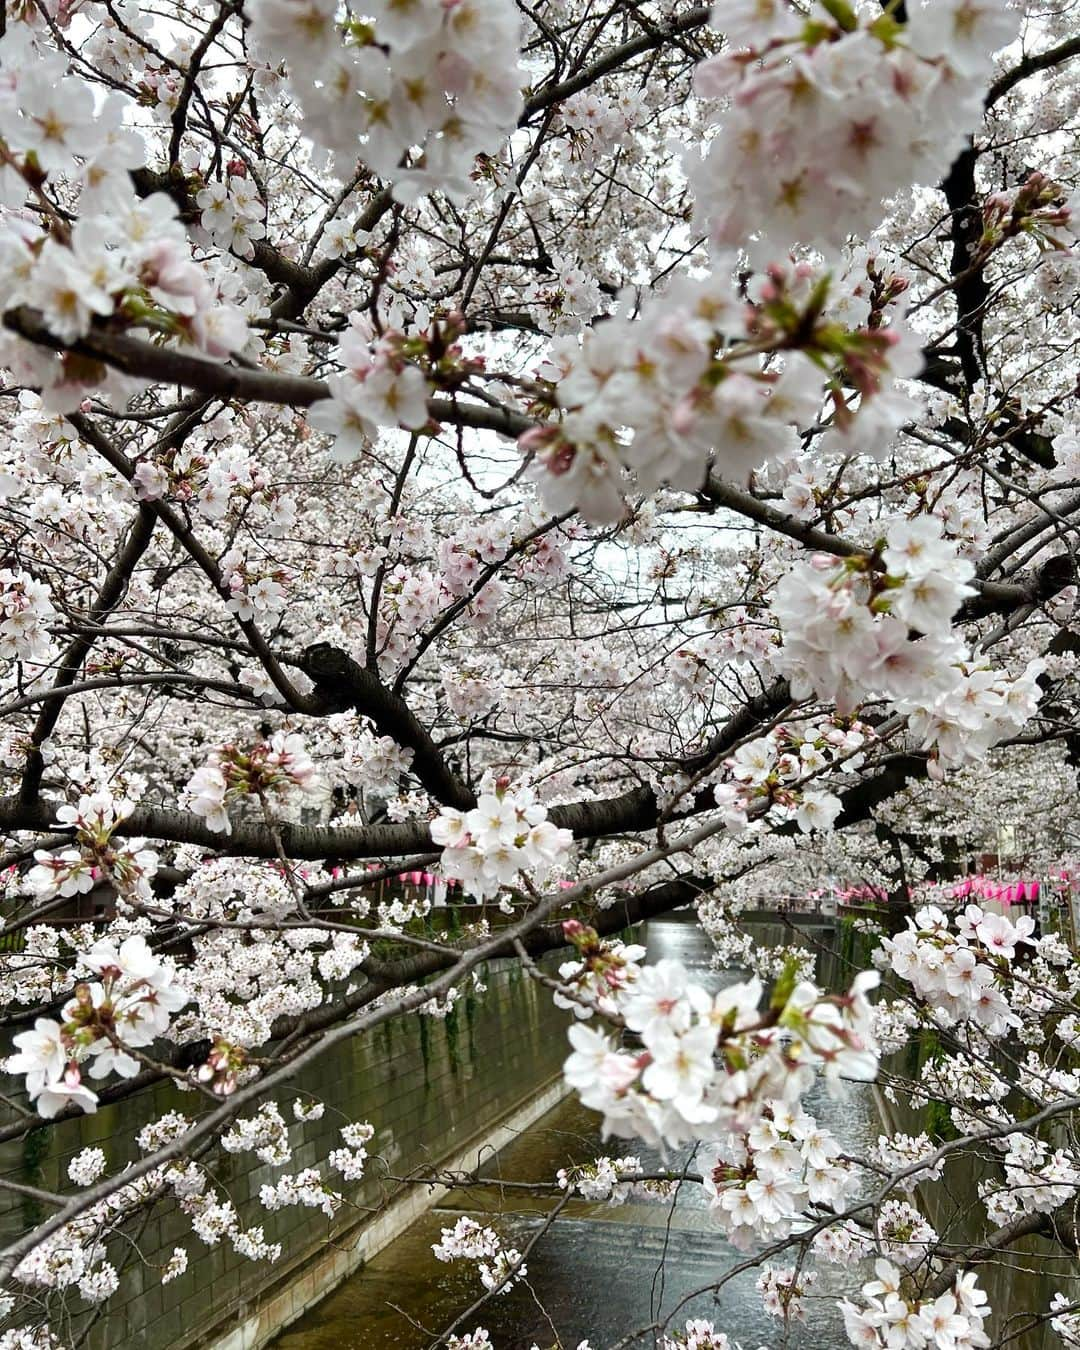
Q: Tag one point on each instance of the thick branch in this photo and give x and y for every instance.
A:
(343, 683)
(168, 365)
(1032, 65)
(1061, 1227)
(994, 597)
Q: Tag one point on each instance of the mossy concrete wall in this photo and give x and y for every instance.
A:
(437, 1092)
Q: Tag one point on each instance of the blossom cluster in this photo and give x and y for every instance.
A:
(417, 90)
(465, 554)
(125, 260)
(615, 1180)
(256, 587)
(841, 1244)
(243, 988)
(86, 1166)
(892, 100)
(226, 888)
(265, 1134)
(507, 833)
(212, 1219)
(958, 968)
(97, 857)
(350, 1161)
(566, 300)
(232, 214)
(1067, 1321)
(852, 632)
(743, 639)
(775, 765)
(306, 1188)
(889, 1318)
(26, 610)
(75, 1255)
(653, 399)
(411, 597)
(783, 1289)
(1037, 1179)
(214, 478)
(81, 1264)
(602, 971)
(958, 1078)
(902, 1234)
(499, 1267)
(481, 1340)
(470, 694)
(277, 769)
(759, 1182)
(902, 1153)
(474, 1340)
(711, 1062)
(27, 1337)
(375, 764)
(379, 387)
(126, 1008)
(698, 1334)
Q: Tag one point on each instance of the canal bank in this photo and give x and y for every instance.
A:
(604, 1273)
(310, 1282)
(480, 1089)
(437, 1090)
(599, 1271)
(1021, 1279)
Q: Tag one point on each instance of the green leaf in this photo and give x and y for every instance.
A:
(842, 12)
(886, 29)
(785, 984)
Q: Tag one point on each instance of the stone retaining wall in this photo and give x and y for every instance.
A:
(435, 1091)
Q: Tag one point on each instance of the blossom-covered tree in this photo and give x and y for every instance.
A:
(619, 457)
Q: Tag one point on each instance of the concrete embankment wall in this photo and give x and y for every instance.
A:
(437, 1092)
(1020, 1281)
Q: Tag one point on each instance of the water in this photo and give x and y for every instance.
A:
(599, 1272)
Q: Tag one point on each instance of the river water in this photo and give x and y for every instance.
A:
(600, 1272)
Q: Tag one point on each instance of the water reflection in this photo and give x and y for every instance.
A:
(600, 1272)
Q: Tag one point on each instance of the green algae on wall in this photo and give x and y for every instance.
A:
(427, 1085)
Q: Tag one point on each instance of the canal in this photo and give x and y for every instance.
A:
(600, 1272)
